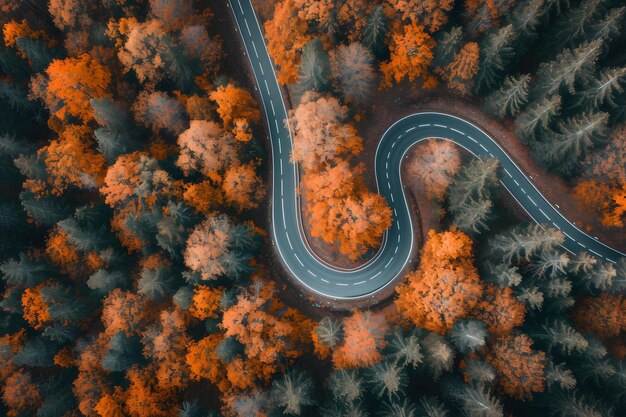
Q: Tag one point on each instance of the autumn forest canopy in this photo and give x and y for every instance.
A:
(137, 273)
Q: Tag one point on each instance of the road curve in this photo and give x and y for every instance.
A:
(397, 244)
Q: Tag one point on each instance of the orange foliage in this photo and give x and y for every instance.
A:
(603, 187)
(203, 196)
(259, 321)
(460, 72)
(71, 161)
(242, 130)
(64, 358)
(604, 315)
(321, 349)
(235, 103)
(518, 367)
(321, 132)
(205, 147)
(203, 362)
(109, 406)
(340, 209)
(173, 13)
(434, 165)
(13, 30)
(72, 82)
(364, 339)
(10, 344)
(411, 52)
(137, 176)
(286, 36)
(445, 287)
(500, 310)
(206, 302)
(166, 343)
(35, 308)
(142, 47)
(206, 245)
(145, 398)
(354, 13)
(67, 14)
(243, 189)
(430, 13)
(61, 251)
(20, 394)
(123, 311)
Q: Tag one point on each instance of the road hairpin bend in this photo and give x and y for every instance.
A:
(397, 244)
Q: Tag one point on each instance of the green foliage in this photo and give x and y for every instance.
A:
(510, 98)
(124, 351)
(449, 44)
(23, 272)
(469, 335)
(293, 392)
(314, 70)
(496, 53)
(375, 31)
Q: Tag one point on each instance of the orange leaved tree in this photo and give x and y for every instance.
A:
(445, 287)
(518, 367)
(500, 310)
(71, 83)
(459, 74)
(341, 210)
(235, 103)
(286, 36)
(430, 13)
(411, 52)
(321, 132)
(364, 339)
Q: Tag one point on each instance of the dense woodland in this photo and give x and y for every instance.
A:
(134, 249)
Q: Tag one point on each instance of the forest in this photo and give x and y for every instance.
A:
(137, 274)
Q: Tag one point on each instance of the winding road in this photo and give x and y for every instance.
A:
(397, 244)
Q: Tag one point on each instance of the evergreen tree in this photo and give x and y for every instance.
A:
(510, 98)
(570, 66)
(346, 386)
(314, 70)
(432, 407)
(404, 408)
(405, 350)
(24, 272)
(293, 392)
(375, 31)
(469, 335)
(574, 25)
(496, 54)
(560, 335)
(449, 44)
(124, 351)
(479, 372)
(229, 349)
(38, 54)
(564, 148)
(154, 283)
(388, 380)
(476, 400)
(329, 332)
(603, 90)
(557, 375)
(523, 242)
(526, 17)
(535, 121)
(111, 115)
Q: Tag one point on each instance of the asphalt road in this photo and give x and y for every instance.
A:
(397, 244)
